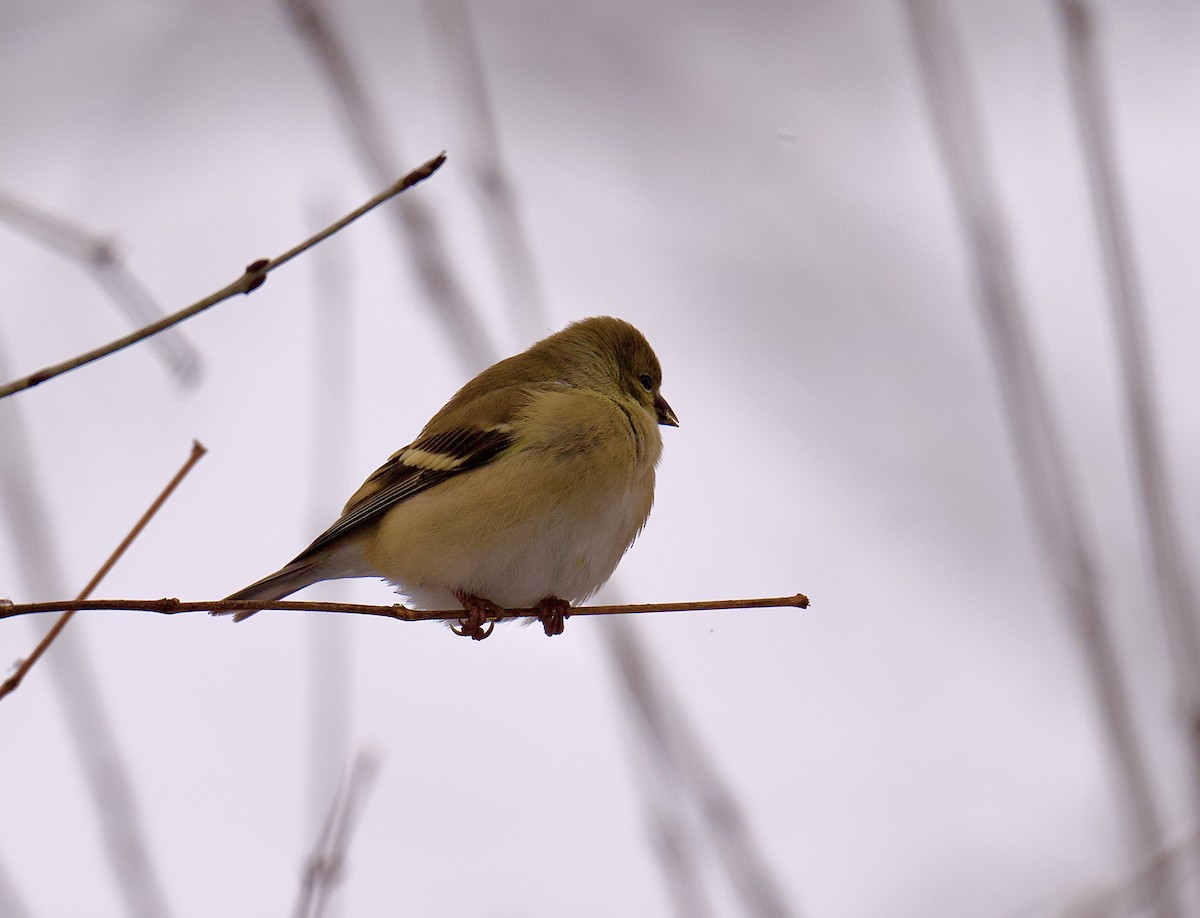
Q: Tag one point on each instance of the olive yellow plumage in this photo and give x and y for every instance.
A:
(525, 489)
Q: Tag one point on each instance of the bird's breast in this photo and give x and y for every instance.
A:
(551, 517)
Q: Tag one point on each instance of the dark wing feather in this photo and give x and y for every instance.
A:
(418, 467)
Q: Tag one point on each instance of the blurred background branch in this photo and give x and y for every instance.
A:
(251, 279)
(12, 905)
(1049, 487)
(81, 699)
(100, 258)
(418, 229)
(685, 765)
(332, 419)
(512, 253)
(1156, 505)
(325, 869)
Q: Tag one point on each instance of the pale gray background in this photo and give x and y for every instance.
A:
(754, 185)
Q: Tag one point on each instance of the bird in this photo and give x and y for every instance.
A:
(523, 492)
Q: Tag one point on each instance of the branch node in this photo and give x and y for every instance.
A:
(256, 274)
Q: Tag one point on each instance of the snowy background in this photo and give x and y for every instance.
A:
(756, 186)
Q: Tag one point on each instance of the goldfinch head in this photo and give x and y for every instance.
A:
(610, 355)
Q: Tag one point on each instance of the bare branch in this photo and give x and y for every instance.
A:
(169, 606)
(100, 257)
(253, 278)
(10, 684)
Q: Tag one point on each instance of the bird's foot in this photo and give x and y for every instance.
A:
(480, 612)
(553, 614)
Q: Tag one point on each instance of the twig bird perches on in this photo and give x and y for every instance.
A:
(524, 491)
(168, 606)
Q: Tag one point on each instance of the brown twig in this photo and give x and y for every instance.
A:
(11, 683)
(252, 278)
(168, 606)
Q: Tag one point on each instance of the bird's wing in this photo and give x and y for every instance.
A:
(423, 464)
(461, 437)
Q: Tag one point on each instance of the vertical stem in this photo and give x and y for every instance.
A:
(1161, 530)
(1048, 488)
(498, 203)
(101, 760)
(416, 226)
(329, 636)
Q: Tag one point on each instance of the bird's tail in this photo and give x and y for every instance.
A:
(284, 582)
(342, 559)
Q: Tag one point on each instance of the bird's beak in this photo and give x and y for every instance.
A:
(665, 415)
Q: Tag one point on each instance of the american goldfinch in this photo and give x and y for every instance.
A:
(524, 491)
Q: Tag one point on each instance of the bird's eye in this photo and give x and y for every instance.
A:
(646, 381)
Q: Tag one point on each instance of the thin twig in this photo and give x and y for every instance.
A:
(325, 867)
(169, 606)
(11, 683)
(253, 278)
(100, 257)
(1048, 487)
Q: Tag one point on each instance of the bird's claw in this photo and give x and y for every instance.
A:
(480, 612)
(553, 614)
